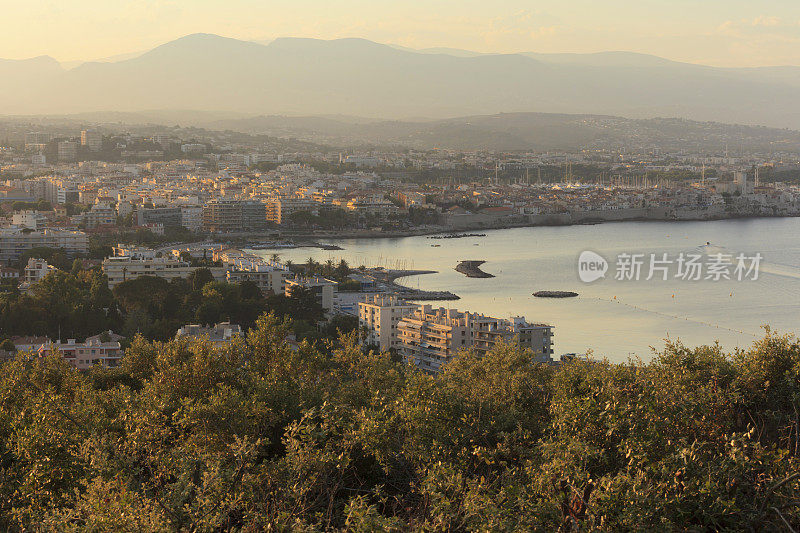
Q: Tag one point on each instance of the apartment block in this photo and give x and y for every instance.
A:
(103, 349)
(91, 139)
(67, 152)
(323, 289)
(218, 334)
(15, 241)
(226, 215)
(269, 276)
(36, 270)
(279, 210)
(169, 217)
(430, 338)
(192, 217)
(379, 316)
(125, 268)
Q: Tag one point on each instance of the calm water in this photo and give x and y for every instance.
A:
(614, 319)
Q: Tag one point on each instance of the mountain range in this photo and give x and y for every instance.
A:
(356, 77)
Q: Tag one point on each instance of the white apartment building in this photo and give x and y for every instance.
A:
(15, 241)
(124, 268)
(430, 338)
(380, 315)
(270, 277)
(36, 270)
(29, 219)
(323, 289)
(218, 334)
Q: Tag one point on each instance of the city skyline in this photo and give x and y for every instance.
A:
(730, 34)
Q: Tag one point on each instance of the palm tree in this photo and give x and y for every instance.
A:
(342, 270)
(328, 270)
(311, 266)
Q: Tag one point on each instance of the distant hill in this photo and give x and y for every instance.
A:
(523, 131)
(357, 77)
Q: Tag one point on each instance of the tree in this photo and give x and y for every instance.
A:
(199, 278)
(267, 434)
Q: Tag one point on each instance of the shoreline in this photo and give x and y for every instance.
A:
(311, 239)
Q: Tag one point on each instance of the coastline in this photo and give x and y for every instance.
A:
(311, 239)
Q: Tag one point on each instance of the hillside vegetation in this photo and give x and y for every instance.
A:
(256, 436)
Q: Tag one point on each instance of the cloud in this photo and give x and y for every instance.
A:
(761, 25)
(766, 21)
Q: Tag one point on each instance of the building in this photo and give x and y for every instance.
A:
(100, 215)
(169, 217)
(103, 349)
(487, 332)
(36, 270)
(15, 241)
(193, 148)
(92, 140)
(122, 250)
(379, 317)
(8, 273)
(269, 276)
(280, 210)
(323, 289)
(219, 334)
(226, 216)
(29, 219)
(430, 338)
(192, 217)
(37, 140)
(67, 152)
(125, 268)
(125, 208)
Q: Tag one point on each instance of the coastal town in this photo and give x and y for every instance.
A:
(106, 183)
(160, 206)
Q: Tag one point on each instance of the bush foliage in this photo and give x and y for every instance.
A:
(259, 436)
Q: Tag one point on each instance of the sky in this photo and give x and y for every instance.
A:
(731, 33)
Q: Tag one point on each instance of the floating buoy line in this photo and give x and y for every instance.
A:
(676, 317)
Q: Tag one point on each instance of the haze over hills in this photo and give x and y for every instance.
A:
(498, 132)
(523, 131)
(291, 76)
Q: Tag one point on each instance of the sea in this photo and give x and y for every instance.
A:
(749, 278)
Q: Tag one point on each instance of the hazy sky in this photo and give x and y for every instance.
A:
(718, 32)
